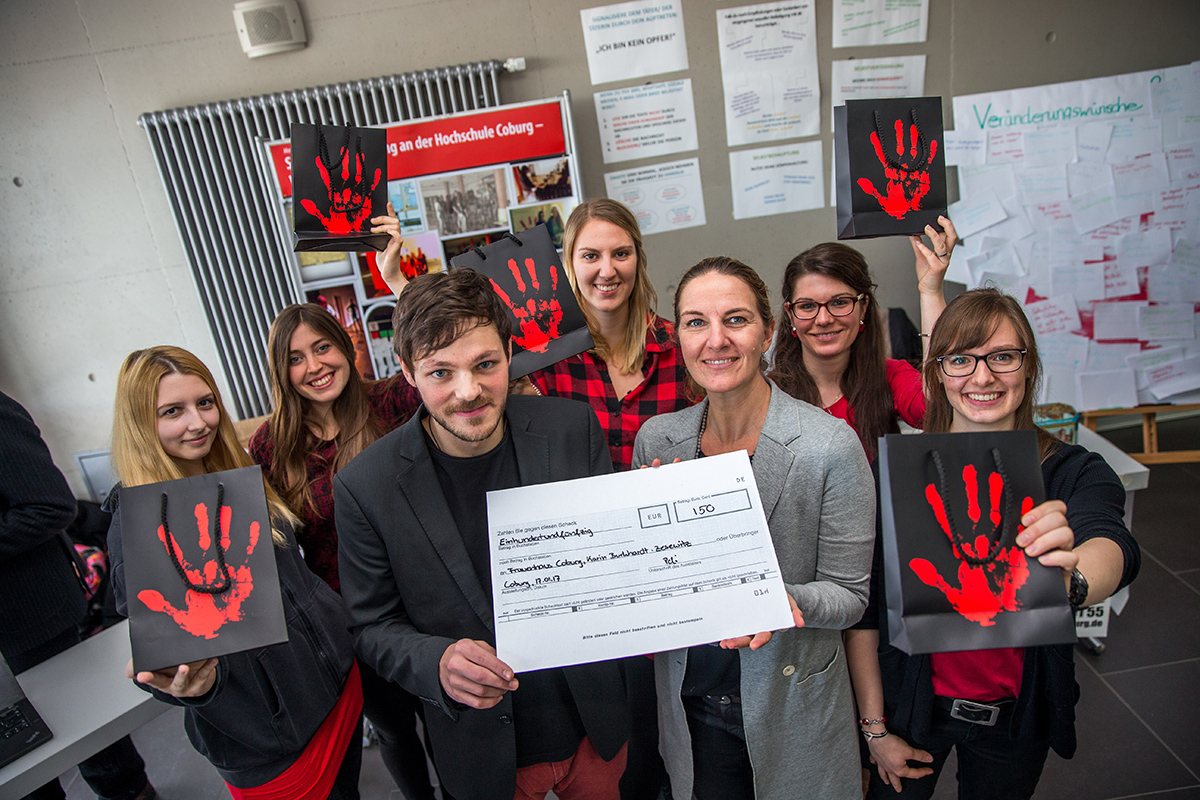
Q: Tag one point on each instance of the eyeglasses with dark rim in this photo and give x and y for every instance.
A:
(839, 306)
(962, 365)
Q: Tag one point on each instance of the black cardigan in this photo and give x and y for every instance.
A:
(1045, 708)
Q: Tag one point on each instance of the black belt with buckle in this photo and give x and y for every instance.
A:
(973, 712)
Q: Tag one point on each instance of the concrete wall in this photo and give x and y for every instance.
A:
(92, 266)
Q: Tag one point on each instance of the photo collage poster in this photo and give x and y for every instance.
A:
(441, 214)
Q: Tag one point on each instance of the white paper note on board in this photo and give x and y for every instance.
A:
(1056, 315)
(1108, 389)
(1143, 174)
(1116, 321)
(1173, 378)
(964, 148)
(769, 71)
(632, 40)
(1167, 321)
(1091, 140)
(1050, 146)
(976, 214)
(1152, 359)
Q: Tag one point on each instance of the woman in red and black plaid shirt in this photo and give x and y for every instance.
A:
(635, 370)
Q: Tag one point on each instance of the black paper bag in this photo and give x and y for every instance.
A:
(339, 182)
(954, 577)
(891, 171)
(548, 324)
(196, 589)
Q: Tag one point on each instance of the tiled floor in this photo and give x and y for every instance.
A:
(1138, 721)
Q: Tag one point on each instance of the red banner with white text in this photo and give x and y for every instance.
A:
(463, 141)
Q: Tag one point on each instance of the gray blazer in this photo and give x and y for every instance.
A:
(819, 499)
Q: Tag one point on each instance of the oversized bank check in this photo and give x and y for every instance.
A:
(630, 563)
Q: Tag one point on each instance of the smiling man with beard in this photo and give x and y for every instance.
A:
(411, 515)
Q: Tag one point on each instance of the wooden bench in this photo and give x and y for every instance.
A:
(1150, 453)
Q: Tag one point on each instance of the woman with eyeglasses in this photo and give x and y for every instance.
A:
(1002, 710)
(830, 351)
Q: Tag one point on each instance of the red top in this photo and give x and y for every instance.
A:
(392, 402)
(981, 675)
(311, 776)
(664, 388)
(908, 398)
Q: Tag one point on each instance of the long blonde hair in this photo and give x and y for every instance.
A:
(642, 302)
(137, 453)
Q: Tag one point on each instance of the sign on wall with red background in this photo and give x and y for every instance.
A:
(463, 141)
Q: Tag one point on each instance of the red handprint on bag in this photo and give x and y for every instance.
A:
(907, 172)
(349, 195)
(214, 593)
(989, 574)
(537, 318)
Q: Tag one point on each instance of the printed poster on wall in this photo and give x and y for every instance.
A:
(769, 71)
(872, 78)
(777, 180)
(646, 121)
(858, 23)
(632, 40)
(663, 197)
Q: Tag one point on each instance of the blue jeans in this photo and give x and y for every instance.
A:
(991, 766)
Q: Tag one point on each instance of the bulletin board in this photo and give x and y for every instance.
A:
(455, 181)
(1082, 200)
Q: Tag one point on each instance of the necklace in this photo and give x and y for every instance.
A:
(700, 435)
(832, 403)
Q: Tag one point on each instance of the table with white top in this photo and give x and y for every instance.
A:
(83, 695)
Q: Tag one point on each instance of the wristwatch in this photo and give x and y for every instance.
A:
(1079, 590)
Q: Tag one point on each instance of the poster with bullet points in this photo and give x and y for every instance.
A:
(646, 121)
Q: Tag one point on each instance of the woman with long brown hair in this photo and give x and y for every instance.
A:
(324, 415)
(300, 740)
(1002, 710)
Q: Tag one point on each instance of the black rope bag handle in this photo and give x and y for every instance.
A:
(957, 541)
(887, 156)
(323, 149)
(223, 583)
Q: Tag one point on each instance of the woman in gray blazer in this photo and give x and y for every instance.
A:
(769, 715)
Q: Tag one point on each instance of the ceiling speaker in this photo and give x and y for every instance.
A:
(269, 26)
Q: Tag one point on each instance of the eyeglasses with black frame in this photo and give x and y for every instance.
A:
(839, 306)
(962, 365)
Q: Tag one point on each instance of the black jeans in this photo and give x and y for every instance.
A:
(991, 766)
(393, 714)
(720, 761)
(345, 785)
(115, 773)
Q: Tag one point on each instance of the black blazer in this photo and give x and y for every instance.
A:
(412, 591)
